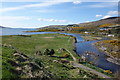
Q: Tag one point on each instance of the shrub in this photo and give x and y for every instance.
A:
(113, 42)
(105, 25)
(66, 55)
(52, 52)
(46, 52)
(49, 52)
(107, 71)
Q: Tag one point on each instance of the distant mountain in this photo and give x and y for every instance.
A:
(4, 27)
(18, 28)
(110, 20)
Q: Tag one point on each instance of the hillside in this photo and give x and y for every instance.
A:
(110, 20)
(106, 26)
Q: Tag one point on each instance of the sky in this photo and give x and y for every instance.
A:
(35, 14)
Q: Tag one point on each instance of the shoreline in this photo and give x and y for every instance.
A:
(109, 57)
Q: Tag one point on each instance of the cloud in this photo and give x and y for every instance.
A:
(51, 20)
(47, 3)
(15, 18)
(110, 14)
(77, 2)
(45, 11)
(113, 13)
(43, 4)
(14, 21)
(87, 21)
(58, 0)
(40, 3)
(106, 16)
(98, 15)
(10, 9)
(104, 4)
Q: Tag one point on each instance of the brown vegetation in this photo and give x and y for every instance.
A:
(106, 25)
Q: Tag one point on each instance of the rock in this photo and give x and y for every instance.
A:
(113, 60)
(18, 68)
(85, 76)
(39, 74)
(55, 61)
(24, 55)
(13, 63)
(34, 66)
(21, 59)
(64, 61)
(62, 49)
(38, 53)
(16, 54)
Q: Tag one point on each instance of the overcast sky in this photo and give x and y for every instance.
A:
(34, 14)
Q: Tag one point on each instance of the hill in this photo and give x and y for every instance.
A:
(2, 27)
(82, 27)
(110, 20)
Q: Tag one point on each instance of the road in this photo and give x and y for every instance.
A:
(71, 55)
(89, 69)
(75, 64)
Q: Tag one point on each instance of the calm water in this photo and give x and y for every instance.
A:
(11, 31)
(81, 47)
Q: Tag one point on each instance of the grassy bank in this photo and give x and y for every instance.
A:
(107, 72)
(21, 51)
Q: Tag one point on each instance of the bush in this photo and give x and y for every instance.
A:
(46, 52)
(105, 25)
(49, 52)
(107, 71)
(66, 55)
(52, 52)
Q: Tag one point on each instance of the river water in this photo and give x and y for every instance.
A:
(81, 47)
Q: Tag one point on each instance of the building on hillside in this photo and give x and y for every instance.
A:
(86, 32)
(111, 35)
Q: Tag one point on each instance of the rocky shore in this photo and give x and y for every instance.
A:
(113, 60)
(110, 57)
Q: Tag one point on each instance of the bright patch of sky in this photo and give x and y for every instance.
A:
(44, 13)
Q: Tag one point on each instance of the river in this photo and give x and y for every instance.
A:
(81, 47)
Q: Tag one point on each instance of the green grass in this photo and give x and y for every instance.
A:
(30, 44)
(7, 69)
(41, 42)
(97, 69)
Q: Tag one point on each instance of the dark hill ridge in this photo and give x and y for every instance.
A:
(2, 27)
(110, 18)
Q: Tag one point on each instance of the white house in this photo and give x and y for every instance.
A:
(111, 35)
(86, 32)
